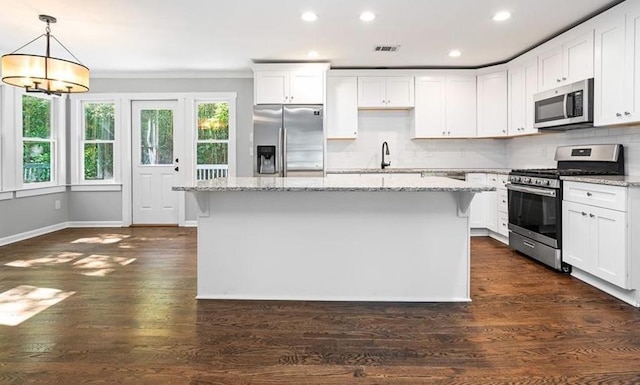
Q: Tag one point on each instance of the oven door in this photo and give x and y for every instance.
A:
(534, 213)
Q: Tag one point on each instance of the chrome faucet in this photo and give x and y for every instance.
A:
(384, 164)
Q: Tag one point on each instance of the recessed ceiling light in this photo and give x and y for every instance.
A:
(313, 54)
(455, 53)
(367, 16)
(309, 16)
(501, 16)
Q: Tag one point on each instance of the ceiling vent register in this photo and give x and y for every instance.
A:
(386, 48)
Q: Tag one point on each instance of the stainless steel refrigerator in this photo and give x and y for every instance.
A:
(288, 140)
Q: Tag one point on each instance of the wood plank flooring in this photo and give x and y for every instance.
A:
(138, 323)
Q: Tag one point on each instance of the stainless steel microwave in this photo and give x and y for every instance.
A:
(566, 107)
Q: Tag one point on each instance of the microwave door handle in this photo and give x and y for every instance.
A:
(532, 190)
(564, 107)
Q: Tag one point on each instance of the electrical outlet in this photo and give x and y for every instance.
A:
(57, 205)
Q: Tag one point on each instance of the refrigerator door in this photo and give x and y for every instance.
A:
(267, 131)
(303, 140)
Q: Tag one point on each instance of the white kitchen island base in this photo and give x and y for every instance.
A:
(334, 245)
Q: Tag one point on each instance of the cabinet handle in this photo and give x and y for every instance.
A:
(504, 201)
(504, 224)
(388, 101)
(355, 133)
(618, 114)
(448, 132)
(563, 78)
(444, 133)
(584, 214)
(627, 113)
(291, 98)
(558, 80)
(589, 194)
(504, 131)
(591, 215)
(384, 102)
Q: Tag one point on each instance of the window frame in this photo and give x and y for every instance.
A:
(57, 181)
(78, 181)
(230, 99)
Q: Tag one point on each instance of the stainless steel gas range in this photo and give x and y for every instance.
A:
(535, 199)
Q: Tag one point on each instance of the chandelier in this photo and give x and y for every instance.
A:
(45, 74)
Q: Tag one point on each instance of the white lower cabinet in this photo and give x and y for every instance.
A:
(594, 238)
(490, 210)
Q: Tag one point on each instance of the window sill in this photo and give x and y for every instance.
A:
(35, 191)
(96, 187)
(6, 195)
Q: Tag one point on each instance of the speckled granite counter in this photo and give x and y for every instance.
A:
(391, 170)
(339, 238)
(612, 180)
(339, 182)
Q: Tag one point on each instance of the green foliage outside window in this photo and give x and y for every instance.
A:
(213, 133)
(99, 127)
(156, 136)
(36, 144)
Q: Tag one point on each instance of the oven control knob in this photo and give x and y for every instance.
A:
(527, 180)
(547, 183)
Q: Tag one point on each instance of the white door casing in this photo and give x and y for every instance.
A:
(154, 165)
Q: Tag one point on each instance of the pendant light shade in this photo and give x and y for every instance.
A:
(37, 73)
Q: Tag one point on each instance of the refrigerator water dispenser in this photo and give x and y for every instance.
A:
(266, 156)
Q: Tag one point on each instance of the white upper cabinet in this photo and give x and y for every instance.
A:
(342, 107)
(445, 107)
(289, 84)
(523, 84)
(617, 67)
(385, 92)
(492, 104)
(566, 63)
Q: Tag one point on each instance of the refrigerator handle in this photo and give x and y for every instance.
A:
(284, 152)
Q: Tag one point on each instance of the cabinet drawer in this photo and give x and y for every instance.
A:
(610, 197)
(503, 224)
(503, 206)
(502, 181)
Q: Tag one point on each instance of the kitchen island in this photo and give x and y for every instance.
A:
(338, 238)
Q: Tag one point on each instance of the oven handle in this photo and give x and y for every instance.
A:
(532, 190)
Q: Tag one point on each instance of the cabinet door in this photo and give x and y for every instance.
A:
(477, 211)
(609, 71)
(632, 65)
(342, 107)
(272, 87)
(550, 69)
(492, 203)
(461, 106)
(306, 87)
(577, 58)
(372, 91)
(609, 238)
(399, 91)
(530, 74)
(492, 104)
(576, 233)
(516, 101)
(429, 113)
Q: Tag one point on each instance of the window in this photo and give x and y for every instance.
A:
(38, 140)
(98, 141)
(212, 142)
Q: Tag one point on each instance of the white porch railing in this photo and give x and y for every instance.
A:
(211, 171)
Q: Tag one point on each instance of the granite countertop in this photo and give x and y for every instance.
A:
(612, 180)
(391, 170)
(407, 183)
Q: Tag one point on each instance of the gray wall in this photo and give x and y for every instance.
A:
(244, 103)
(102, 206)
(21, 215)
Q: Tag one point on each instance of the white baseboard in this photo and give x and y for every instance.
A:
(629, 296)
(32, 233)
(190, 223)
(95, 224)
(477, 232)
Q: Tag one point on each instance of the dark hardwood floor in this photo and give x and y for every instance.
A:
(137, 322)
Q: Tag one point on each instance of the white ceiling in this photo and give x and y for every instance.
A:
(216, 35)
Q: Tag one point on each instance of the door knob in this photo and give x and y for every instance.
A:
(177, 160)
(176, 169)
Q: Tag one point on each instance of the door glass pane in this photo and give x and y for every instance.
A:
(156, 137)
(213, 121)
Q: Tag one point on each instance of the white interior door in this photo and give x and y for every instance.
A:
(154, 162)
